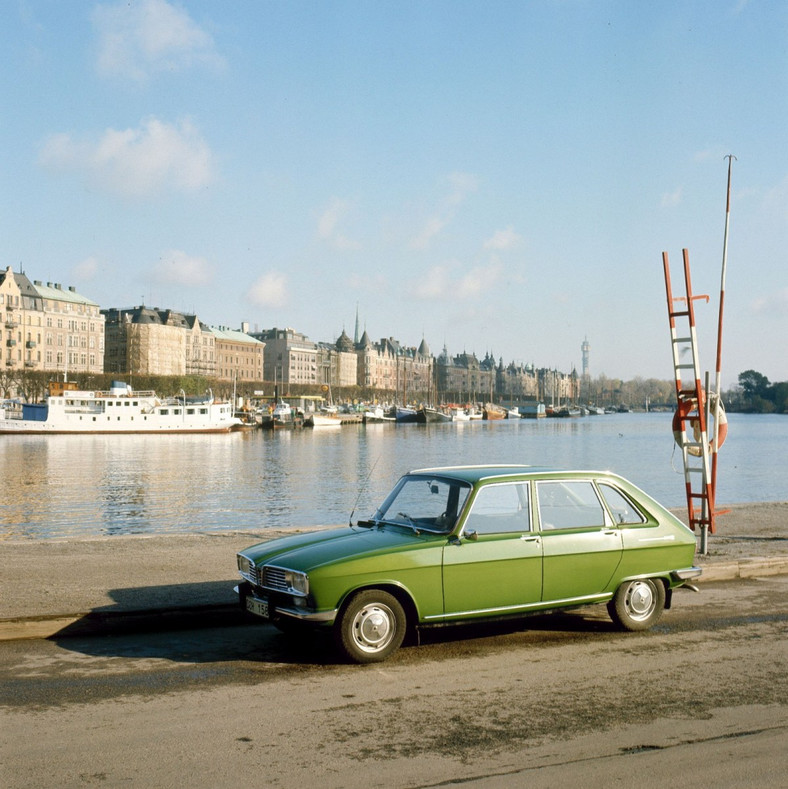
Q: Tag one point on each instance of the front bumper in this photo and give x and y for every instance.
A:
(272, 607)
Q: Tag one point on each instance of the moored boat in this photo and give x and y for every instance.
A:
(435, 415)
(533, 411)
(118, 410)
(407, 415)
(492, 411)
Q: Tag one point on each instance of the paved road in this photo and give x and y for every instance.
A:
(558, 700)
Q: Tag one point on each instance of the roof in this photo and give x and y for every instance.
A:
(473, 474)
(56, 293)
(234, 335)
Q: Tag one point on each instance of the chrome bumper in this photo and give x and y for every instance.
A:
(300, 614)
(686, 574)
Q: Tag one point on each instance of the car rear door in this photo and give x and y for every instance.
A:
(581, 546)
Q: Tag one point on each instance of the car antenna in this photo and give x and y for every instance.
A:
(361, 491)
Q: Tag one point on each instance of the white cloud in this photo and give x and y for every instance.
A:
(460, 186)
(136, 40)
(177, 268)
(86, 269)
(433, 226)
(479, 280)
(269, 290)
(370, 282)
(328, 226)
(775, 303)
(435, 285)
(154, 157)
(670, 199)
(776, 199)
(446, 283)
(504, 239)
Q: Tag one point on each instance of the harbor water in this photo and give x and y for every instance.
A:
(103, 485)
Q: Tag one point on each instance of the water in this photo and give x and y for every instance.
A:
(88, 486)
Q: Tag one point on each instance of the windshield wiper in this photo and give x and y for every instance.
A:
(410, 522)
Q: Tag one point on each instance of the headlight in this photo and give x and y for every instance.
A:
(297, 581)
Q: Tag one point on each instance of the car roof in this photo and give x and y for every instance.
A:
(478, 473)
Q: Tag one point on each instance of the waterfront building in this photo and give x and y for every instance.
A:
(337, 362)
(239, 356)
(289, 357)
(463, 378)
(151, 341)
(517, 382)
(558, 388)
(47, 328)
(389, 366)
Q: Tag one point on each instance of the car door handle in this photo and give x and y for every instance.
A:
(527, 538)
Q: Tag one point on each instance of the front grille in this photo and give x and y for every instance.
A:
(266, 577)
(274, 578)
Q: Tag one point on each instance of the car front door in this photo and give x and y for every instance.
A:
(581, 547)
(496, 566)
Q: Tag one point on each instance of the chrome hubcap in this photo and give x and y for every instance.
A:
(374, 627)
(640, 600)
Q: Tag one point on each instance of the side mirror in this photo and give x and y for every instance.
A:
(471, 535)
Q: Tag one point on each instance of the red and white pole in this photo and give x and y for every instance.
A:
(718, 377)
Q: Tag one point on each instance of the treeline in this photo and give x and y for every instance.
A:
(755, 394)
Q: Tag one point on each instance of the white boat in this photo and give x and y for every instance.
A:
(375, 413)
(322, 419)
(119, 410)
(282, 414)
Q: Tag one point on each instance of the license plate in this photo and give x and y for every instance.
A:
(257, 607)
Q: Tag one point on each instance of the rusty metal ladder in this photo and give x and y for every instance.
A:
(690, 423)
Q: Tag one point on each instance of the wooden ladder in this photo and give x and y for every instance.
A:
(690, 423)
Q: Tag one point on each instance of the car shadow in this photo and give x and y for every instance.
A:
(203, 623)
(541, 629)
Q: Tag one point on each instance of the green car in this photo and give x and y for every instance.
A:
(468, 543)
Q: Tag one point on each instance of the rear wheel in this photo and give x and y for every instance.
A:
(637, 605)
(370, 627)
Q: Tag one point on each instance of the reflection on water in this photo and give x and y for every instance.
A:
(62, 486)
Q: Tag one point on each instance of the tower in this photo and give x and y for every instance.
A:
(586, 349)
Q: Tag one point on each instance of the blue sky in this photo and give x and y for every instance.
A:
(497, 177)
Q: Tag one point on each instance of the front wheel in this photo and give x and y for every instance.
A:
(637, 605)
(371, 627)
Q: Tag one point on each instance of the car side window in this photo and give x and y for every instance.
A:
(569, 504)
(621, 506)
(499, 509)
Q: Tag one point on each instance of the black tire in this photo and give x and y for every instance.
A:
(370, 627)
(638, 604)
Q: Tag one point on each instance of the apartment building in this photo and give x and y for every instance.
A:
(290, 357)
(152, 341)
(47, 327)
(239, 357)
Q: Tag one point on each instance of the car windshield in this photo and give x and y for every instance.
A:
(425, 503)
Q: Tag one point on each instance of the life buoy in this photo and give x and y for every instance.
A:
(684, 413)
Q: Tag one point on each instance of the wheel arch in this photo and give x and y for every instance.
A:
(403, 596)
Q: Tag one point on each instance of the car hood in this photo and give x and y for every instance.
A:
(306, 552)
